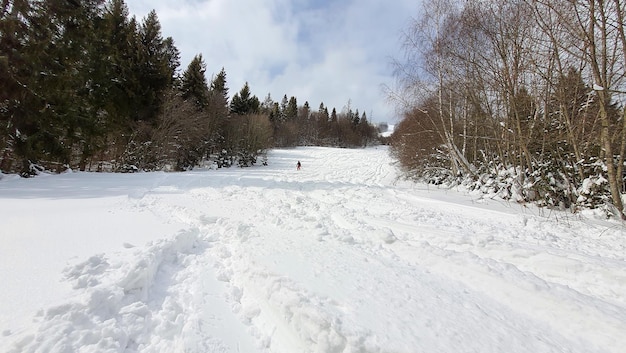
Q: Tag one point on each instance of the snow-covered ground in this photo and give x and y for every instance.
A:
(338, 257)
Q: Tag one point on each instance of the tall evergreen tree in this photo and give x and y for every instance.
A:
(194, 84)
(123, 86)
(275, 115)
(237, 105)
(172, 55)
(55, 77)
(365, 130)
(356, 118)
(15, 75)
(217, 113)
(244, 103)
(321, 108)
(219, 85)
(306, 110)
(155, 68)
(283, 107)
(333, 116)
(291, 112)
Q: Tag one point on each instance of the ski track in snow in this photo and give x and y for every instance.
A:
(340, 257)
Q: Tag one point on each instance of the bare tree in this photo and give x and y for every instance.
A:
(597, 29)
(531, 84)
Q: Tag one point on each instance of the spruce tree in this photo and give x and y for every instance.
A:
(275, 115)
(321, 108)
(56, 115)
(155, 68)
(217, 113)
(237, 105)
(172, 55)
(283, 107)
(194, 84)
(291, 112)
(244, 103)
(15, 77)
(306, 110)
(355, 118)
(219, 85)
(365, 130)
(123, 85)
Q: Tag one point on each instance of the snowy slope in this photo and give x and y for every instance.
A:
(338, 257)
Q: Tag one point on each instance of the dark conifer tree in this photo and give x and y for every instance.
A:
(194, 84)
(217, 113)
(306, 110)
(237, 105)
(219, 85)
(155, 72)
(172, 54)
(321, 108)
(291, 112)
(15, 78)
(121, 62)
(55, 108)
(356, 118)
(275, 115)
(283, 107)
(244, 103)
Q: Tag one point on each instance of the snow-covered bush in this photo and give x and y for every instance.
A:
(547, 185)
(593, 192)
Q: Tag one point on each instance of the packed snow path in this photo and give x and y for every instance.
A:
(340, 256)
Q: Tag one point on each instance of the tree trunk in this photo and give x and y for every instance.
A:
(614, 181)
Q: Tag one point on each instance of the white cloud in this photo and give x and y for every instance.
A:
(319, 51)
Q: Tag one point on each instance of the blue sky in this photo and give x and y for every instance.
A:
(321, 51)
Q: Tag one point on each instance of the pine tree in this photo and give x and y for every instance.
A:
(122, 81)
(56, 114)
(365, 130)
(349, 115)
(155, 72)
(172, 55)
(275, 115)
(237, 105)
(194, 84)
(334, 127)
(321, 108)
(291, 112)
(219, 85)
(355, 118)
(244, 103)
(283, 107)
(217, 114)
(306, 110)
(14, 77)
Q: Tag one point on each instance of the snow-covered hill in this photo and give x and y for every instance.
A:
(340, 256)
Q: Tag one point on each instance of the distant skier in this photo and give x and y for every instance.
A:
(298, 166)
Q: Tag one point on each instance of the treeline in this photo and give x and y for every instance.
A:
(520, 98)
(86, 86)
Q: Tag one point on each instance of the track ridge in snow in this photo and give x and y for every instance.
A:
(139, 304)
